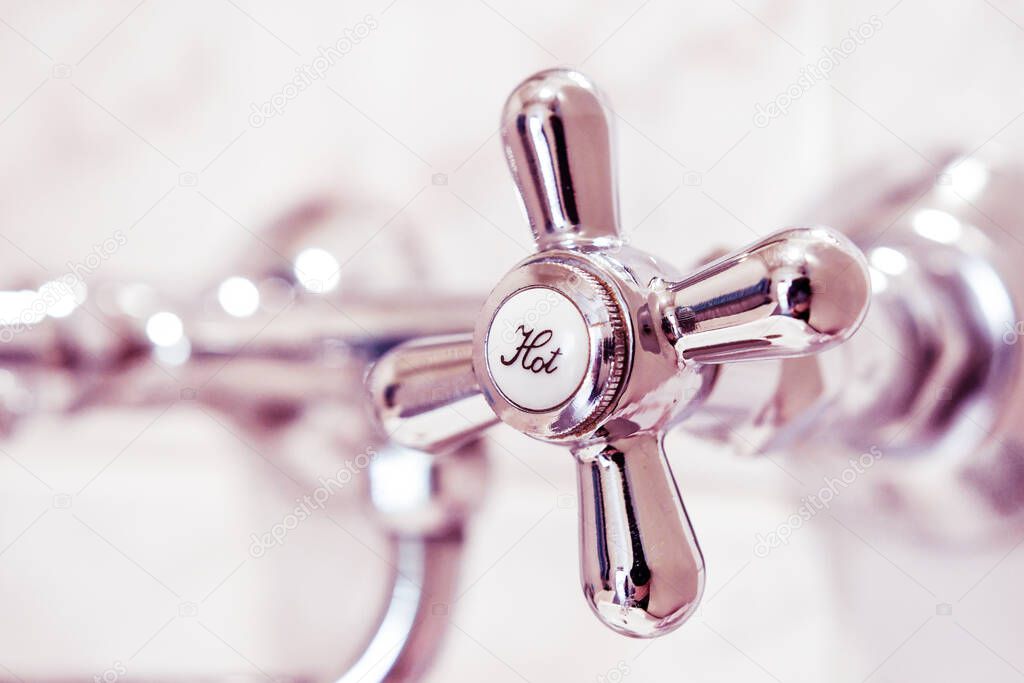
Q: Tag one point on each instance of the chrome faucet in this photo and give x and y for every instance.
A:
(595, 345)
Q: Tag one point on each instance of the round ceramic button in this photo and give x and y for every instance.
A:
(538, 348)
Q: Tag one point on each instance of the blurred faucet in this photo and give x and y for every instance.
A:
(932, 382)
(270, 341)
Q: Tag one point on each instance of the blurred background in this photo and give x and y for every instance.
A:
(168, 147)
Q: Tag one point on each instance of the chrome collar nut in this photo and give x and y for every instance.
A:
(593, 344)
(552, 347)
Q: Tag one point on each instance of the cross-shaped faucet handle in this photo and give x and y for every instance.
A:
(593, 344)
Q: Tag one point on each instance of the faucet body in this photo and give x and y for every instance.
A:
(933, 380)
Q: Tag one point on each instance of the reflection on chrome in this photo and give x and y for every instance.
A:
(55, 298)
(164, 329)
(937, 225)
(238, 296)
(964, 177)
(888, 260)
(317, 270)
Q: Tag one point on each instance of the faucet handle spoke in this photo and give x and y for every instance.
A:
(426, 395)
(557, 134)
(796, 292)
(640, 565)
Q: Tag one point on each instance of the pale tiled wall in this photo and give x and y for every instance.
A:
(106, 109)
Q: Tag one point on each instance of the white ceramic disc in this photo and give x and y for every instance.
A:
(538, 348)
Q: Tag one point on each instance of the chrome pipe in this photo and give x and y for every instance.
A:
(412, 625)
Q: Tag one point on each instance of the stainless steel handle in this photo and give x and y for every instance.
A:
(588, 344)
(426, 395)
(557, 135)
(797, 291)
(641, 567)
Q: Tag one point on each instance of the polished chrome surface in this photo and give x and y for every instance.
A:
(641, 568)
(938, 383)
(654, 350)
(418, 379)
(557, 135)
(423, 501)
(760, 303)
(408, 636)
(416, 493)
(932, 382)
